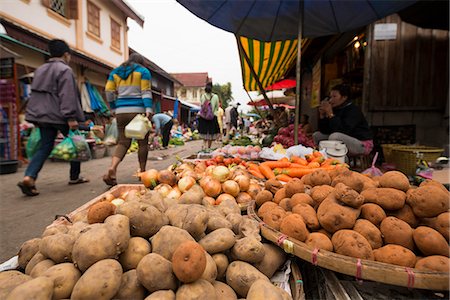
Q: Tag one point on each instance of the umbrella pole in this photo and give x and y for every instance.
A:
(298, 72)
(256, 108)
(252, 70)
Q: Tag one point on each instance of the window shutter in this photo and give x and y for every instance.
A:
(72, 9)
(46, 3)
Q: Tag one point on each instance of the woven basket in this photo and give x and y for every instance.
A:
(405, 157)
(387, 152)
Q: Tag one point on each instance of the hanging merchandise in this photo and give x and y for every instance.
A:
(85, 99)
(97, 103)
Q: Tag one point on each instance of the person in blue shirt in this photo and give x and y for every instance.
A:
(128, 91)
(163, 124)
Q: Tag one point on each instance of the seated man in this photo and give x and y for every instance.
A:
(340, 119)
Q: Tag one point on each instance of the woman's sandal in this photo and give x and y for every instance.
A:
(109, 178)
(79, 180)
(29, 190)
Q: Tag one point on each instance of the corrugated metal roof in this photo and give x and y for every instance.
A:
(192, 79)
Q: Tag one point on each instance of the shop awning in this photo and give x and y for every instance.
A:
(270, 60)
(192, 107)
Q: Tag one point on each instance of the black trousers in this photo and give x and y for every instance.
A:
(165, 131)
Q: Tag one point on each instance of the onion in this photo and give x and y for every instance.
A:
(244, 198)
(209, 170)
(149, 178)
(183, 167)
(175, 193)
(163, 189)
(200, 167)
(189, 173)
(185, 183)
(208, 201)
(231, 187)
(223, 197)
(212, 187)
(167, 177)
(243, 181)
(204, 180)
(221, 173)
(117, 202)
(253, 190)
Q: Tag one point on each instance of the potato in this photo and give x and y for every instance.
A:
(161, 295)
(301, 198)
(77, 228)
(99, 211)
(367, 181)
(218, 241)
(320, 177)
(198, 290)
(119, 226)
(137, 248)
(394, 179)
(223, 291)
(273, 258)
(189, 261)
(319, 193)
(274, 217)
(373, 213)
(57, 247)
(155, 273)
(332, 216)
(210, 273)
(235, 220)
(442, 224)
(229, 206)
(27, 251)
(265, 208)
(249, 228)
(351, 243)
(308, 214)
(350, 179)
(428, 201)
(430, 241)
(191, 217)
(64, 277)
(279, 195)
(51, 230)
(436, 263)
(221, 261)
(93, 245)
(216, 220)
(294, 186)
(168, 238)
(294, 227)
(273, 185)
(320, 241)
(192, 196)
(241, 275)
(130, 287)
(248, 249)
(348, 196)
(396, 231)
(433, 183)
(263, 289)
(370, 232)
(387, 198)
(37, 288)
(406, 214)
(396, 255)
(41, 267)
(145, 220)
(263, 197)
(11, 279)
(323, 231)
(37, 258)
(101, 281)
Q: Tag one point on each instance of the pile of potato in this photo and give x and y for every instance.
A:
(382, 219)
(149, 247)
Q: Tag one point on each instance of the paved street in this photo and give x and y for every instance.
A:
(23, 218)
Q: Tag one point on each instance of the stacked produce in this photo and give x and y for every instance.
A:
(248, 152)
(182, 237)
(382, 219)
(286, 136)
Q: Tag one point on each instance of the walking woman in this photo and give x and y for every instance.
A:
(209, 128)
(128, 92)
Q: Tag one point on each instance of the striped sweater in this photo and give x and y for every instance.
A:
(128, 89)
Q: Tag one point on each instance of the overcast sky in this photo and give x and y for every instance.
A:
(179, 42)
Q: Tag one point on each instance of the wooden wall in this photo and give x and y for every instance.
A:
(409, 73)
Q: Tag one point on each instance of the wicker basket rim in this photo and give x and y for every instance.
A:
(418, 149)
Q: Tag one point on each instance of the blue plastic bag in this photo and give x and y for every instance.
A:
(33, 143)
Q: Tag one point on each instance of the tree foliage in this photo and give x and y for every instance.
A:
(224, 92)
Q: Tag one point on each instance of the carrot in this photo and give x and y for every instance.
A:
(317, 154)
(319, 159)
(330, 162)
(276, 164)
(266, 171)
(297, 172)
(313, 164)
(283, 177)
(309, 157)
(252, 166)
(284, 159)
(293, 165)
(257, 174)
(298, 160)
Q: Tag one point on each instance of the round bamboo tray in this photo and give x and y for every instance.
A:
(360, 268)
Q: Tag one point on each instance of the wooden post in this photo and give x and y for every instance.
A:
(298, 72)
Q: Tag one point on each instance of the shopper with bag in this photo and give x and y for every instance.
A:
(128, 92)
(208, 127)
(55, 105)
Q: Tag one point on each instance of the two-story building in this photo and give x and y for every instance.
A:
(191, 87)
